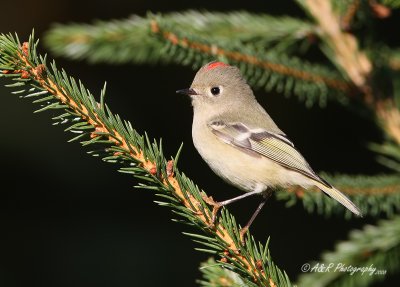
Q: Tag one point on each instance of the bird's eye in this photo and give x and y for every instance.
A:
(215, 91)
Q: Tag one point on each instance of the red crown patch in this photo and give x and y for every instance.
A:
(215, 65)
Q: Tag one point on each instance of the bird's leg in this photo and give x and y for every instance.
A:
(217, 205)
(267, 194)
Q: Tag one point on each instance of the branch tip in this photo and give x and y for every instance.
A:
(25, 48)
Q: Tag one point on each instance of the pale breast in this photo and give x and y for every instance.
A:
(239, 168)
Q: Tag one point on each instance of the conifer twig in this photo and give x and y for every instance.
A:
(109, 41)
(343, 45)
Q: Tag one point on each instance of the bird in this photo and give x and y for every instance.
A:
(242, 144)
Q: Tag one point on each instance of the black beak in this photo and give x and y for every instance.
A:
(188, 92)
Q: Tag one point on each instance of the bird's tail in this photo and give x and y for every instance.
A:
(336, 194)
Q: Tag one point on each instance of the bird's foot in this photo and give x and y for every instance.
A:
(216, 207)
(242, 234)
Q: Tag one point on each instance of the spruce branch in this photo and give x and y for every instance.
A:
(340, 46)
(113, 41)
(374, 195)
(116, 141)
(376, 249)
(185, 39)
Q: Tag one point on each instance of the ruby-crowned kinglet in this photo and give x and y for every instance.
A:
(240, 141)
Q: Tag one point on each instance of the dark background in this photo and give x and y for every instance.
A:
(68, 219)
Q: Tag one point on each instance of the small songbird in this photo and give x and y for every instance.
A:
(240, 141)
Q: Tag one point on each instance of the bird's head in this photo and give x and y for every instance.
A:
(218, 84)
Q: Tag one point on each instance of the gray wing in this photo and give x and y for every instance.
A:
(276, 147)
